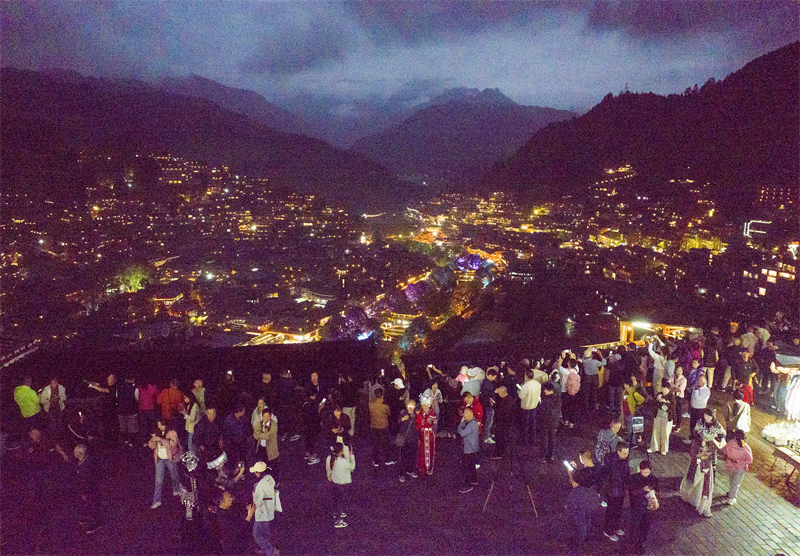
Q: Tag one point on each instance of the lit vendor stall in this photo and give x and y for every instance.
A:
(786, 433)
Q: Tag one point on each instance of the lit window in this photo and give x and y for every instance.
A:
(771, 279)
(762, 291)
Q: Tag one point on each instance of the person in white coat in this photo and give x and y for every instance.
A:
(265, 503)
(339, 468)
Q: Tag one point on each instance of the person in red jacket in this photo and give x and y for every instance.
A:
(477, 409)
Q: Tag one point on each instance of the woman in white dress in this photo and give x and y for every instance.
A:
(697, 486)
(662, 424)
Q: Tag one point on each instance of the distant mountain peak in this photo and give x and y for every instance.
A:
(472, 95)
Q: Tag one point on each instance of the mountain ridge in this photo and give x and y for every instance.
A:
(737, 133)
(457, 135)
(47, 121)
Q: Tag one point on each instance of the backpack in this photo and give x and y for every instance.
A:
(603, 448)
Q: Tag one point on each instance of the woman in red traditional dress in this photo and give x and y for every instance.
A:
(426, 421)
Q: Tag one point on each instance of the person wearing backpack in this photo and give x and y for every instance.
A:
(573, 386)
(607, 440)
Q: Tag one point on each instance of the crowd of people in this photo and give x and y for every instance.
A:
(237, 432)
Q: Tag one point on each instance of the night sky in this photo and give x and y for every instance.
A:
(561, 54)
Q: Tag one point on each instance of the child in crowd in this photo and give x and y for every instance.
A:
(406, 441)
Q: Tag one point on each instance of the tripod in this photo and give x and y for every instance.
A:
(508, 464)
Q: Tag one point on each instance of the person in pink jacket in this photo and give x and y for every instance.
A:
(738, 456)
(167, 452)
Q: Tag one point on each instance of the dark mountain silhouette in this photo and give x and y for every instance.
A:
(241, 101)
(458, 135)
(737, 134)
(48, 118)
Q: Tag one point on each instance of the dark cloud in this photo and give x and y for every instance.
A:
(411, 22)
(678, 18)
(43, 35)
(300, 48)
(402, 52)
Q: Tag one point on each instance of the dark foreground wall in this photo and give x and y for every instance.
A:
(329, 359)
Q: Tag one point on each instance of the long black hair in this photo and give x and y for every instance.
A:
(336, 449)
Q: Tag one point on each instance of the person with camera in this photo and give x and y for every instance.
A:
(167, 452)
(642, 489)
(662, 424)
(592, 361)
(583, 499)
(406, 441)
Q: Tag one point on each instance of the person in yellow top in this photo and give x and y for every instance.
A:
(27, 399)
(632, 399)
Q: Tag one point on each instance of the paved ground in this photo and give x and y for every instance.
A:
(426, 516)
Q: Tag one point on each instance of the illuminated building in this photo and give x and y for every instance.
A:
(775, 198)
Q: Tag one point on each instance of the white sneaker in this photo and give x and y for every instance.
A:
(155, 505)
(620, 533)
(477, 466)
(603, 503)
(612, 537)
(313, 460)
(731, 501)
(340, 523)
(490, 440)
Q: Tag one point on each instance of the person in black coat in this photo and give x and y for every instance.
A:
(504, 406)
(406, 440)
(86, 477)
(618, 473)
(207, 435)
(638, 488)
(549, 418)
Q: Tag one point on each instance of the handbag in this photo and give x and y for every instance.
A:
(652, 501)
(400, 440)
